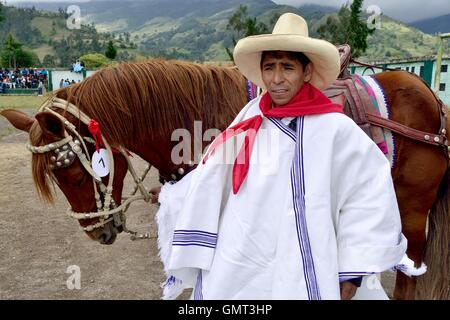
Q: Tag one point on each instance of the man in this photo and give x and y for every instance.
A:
(40, 88)
(301, 219)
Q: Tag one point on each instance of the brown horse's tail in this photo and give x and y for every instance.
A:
(435, 283)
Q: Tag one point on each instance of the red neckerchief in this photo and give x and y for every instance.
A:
(309, 100)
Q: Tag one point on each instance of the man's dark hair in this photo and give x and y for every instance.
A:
(300, 56)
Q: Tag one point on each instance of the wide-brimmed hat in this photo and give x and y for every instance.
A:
(289, 34)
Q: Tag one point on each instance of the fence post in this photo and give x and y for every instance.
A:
(50, 81)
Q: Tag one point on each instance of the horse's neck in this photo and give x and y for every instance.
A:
(156, 152)
(159, 153)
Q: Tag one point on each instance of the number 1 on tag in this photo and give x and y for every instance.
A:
(100, 163)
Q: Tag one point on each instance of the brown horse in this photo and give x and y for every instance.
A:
(139, 105)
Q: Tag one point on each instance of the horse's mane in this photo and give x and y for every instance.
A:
(135, 101)
(40, 165)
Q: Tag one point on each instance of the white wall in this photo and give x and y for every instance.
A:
(445, 78)
(90, 73)
(57, 75)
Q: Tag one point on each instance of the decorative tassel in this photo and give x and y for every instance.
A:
(406, 265)
(94, 129)
(173, 287)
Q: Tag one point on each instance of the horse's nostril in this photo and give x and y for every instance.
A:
(104, 237)
(108, 235)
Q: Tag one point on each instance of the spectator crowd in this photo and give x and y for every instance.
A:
(33, 78)
(26, 78)
(65, 83)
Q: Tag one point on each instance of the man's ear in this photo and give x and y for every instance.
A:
(52, 127)
(308, 72)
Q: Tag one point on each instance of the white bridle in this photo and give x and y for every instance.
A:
(108, 211)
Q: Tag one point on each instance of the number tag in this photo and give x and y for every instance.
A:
(100, 163)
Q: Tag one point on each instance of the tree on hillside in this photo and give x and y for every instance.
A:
(347, 27)
(243, 26)
(27, 58)
(358, 28)
(127, 37)
(53, 32)
(95, 44)
(111, 51)
(13, 55)
(124, 56)
(49, 61)
(9, 53)
(335, 28)
(1, 12)
(94, 60)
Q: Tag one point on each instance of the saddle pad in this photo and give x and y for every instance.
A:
(376, 93)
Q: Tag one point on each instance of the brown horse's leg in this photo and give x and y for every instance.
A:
(419, 168)
(414, 207)
(417, 178)
(414, 230)
(404, 286)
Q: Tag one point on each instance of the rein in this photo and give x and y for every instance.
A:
(68, 148)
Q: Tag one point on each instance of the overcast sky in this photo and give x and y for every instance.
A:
(404, 10)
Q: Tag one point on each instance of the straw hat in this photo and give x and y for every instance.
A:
(289, 34)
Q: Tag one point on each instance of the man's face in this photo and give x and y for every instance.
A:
(283, 76)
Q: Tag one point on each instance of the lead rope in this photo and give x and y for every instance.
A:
(139, 186)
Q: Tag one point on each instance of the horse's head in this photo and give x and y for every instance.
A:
(58, 156)
(146, 102)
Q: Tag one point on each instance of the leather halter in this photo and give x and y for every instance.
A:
(68, 148)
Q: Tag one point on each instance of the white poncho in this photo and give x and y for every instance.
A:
(317, 207)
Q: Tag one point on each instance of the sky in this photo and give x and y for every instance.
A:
(403, 10)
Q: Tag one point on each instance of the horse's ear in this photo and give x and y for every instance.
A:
(51, 125)
(18, 119)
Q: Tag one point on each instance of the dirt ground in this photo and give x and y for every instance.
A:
(38, 242)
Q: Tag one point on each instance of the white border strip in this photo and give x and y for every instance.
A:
(384, 111)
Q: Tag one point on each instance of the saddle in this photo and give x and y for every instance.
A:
(345, 53)
(354, 99)
(357, 104)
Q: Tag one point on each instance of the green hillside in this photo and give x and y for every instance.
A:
(397, 40)
(190, 30)
(46, 34)
(202, 34)
(194, 30)
(50, 27)
(393, 40)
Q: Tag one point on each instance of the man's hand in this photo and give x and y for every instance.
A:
(348, 290)
(154, 193)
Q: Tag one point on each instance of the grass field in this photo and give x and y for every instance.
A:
(21, 102)
(29, 104)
